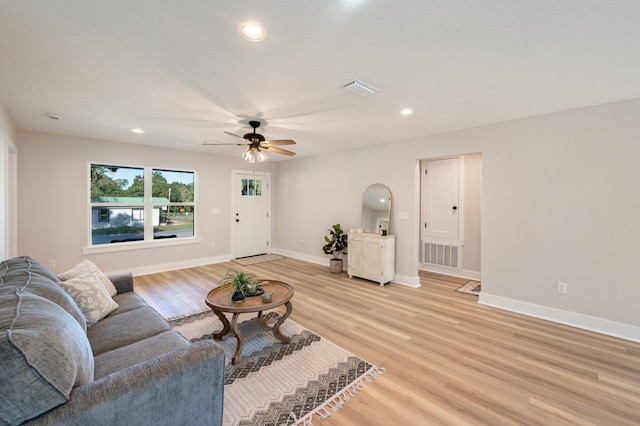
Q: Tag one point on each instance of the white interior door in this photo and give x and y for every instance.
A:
(251, 222)
(441, 208)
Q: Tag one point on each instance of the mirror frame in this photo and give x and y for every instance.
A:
(373, 194)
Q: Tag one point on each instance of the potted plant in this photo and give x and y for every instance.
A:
(239, 281)
(336, 244)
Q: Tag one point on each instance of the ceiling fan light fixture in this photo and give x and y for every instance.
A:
(252, 30)
(249, 155)
(261, 156)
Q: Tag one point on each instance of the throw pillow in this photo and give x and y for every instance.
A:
(44, 354)
(90, 296)
(87, 266)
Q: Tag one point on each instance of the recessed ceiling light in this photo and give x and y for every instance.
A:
(253, 31)
(406, 111)
(137, 131)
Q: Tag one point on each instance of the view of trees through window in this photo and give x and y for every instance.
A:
(119, 201)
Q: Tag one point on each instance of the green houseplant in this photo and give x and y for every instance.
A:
(241, 283)
(336, 243)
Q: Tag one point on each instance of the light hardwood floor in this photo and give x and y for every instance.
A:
(448, 359)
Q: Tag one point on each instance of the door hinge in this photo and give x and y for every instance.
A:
(425, 171)
(267, 243)
(267, 214)
(425, 225)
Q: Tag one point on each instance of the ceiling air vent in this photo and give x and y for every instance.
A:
(360, 88)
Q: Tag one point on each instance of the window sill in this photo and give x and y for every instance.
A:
(141, 245)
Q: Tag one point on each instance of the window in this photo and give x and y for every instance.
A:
(103, 215)
(251, 187)
(122, 196)
(137, 214)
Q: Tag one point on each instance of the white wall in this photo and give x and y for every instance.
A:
(7, 181)
(558, 204)
(53, 201)
(472, 250)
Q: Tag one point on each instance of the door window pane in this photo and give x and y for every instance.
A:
(251, 187)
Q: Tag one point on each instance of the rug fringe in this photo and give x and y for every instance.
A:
(177, 317)
(336, 403)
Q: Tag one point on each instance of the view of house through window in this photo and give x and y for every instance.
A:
(123, 197)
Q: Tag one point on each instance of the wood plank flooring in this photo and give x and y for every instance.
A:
(448, 360)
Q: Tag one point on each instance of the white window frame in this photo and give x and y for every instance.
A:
(148, 206)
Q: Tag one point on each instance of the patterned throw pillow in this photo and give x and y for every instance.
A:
(90, 296)
(87, 266)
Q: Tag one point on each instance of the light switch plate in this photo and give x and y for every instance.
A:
(404, 215)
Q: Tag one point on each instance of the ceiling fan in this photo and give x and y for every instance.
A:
(256, 144)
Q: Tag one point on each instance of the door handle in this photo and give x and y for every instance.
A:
(455, 207)
(237, 220)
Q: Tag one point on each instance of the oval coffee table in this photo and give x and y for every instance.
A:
(219, 300)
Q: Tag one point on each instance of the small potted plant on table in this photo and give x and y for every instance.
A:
(241, 283)
(336, 244)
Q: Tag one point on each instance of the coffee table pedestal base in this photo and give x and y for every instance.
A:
(234, 326)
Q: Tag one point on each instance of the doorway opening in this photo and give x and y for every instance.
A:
(450, 213)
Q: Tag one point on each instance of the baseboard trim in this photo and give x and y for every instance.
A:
(586, 322)
(413, 282)
(408, 281)
(306, 257)
(460, 273)
(165, 267)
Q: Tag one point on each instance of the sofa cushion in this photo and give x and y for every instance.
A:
(90, 296)
(44, 354)
(116, 331)
(128, 302)
(88, 267)
(26, 274)
(135, 353)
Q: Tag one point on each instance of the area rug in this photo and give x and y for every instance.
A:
(280, 384)
(252, 260)
(470, 287)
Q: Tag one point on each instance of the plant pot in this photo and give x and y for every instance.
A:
(237, 297)
(335, 265)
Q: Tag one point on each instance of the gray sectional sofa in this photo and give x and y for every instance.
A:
(129, 368)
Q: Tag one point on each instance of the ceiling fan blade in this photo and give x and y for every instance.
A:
(236, 136)
(277, 150)
(280, 142)
(221, 143)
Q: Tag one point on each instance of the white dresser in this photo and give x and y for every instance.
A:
(372, 256)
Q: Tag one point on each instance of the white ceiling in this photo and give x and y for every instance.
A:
(180, 70)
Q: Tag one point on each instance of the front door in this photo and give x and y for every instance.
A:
(251, 222)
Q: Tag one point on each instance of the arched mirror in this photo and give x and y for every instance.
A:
(376, 209)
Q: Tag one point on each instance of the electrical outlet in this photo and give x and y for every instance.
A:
(52, 263)
(302, 242)
(562, 287)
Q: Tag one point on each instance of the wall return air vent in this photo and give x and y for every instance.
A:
(441, 254)
(360, 88)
